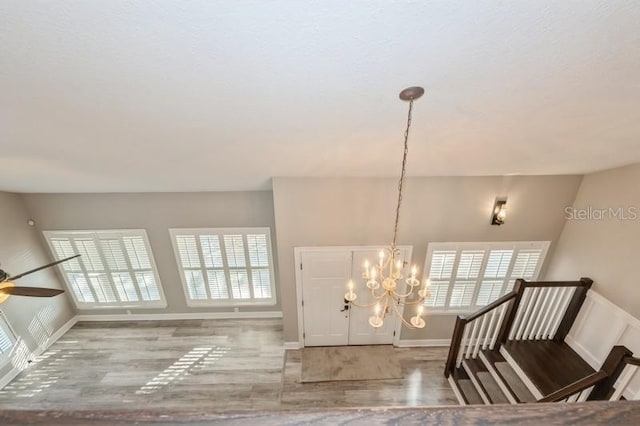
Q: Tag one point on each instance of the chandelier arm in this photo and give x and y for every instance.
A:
(402, 174)
(402, 296)
(374, 295)
(404, 321)
(415, 302)
(364, 306)
(384, 309)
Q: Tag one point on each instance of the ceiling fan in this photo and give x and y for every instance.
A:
(8, 288)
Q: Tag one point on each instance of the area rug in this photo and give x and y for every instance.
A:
(337, 363)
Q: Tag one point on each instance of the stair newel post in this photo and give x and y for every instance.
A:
(454, 349)
(573, 308)
(613, 366)
(512, 310)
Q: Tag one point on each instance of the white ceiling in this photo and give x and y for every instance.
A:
(110, 96)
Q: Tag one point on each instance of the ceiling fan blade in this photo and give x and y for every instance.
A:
(40, 268)
(31, 291)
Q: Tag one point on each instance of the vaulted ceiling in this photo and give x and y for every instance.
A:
(110, 96)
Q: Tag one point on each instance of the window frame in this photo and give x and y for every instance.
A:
(487, 247)
(5, 325)
(140, 304)
(221, 232)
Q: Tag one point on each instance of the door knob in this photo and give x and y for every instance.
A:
(346, 308)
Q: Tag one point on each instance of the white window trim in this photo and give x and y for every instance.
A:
(162, 303)
(221, 232)
(5, 357)
(486, 246)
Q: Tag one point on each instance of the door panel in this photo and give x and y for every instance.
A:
(324, 280)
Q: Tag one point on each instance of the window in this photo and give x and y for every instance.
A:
(7, 339)
(225, 266)
(115, 269)
(465, 276)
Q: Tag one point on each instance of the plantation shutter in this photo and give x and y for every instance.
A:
(115, 267)
(7, 339)
(225, 266)
(470, 275)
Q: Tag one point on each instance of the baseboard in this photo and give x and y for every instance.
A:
(291, 346)
(7, 378)
(182, 316)
(423, 343)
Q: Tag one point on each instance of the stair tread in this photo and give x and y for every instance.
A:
(491, 387)
(550, 365)
(514, 382)
(508, 376)
(469, 391)
(486, 383)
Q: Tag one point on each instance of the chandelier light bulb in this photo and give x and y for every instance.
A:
(417, 321)
(376, 309)
(350, 296)
(414, 271)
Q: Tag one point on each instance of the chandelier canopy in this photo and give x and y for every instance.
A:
(385, 280)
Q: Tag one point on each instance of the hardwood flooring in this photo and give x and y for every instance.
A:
(214, 365)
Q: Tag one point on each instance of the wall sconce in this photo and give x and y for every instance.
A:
(499, 211)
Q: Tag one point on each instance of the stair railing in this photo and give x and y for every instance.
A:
(577, 391)
(480, 330)
(610, 383)
(536, 310)
(621, 367)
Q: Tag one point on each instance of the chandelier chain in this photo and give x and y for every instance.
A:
(402, 174)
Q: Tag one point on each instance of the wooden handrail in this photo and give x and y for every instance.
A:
(491, 306)
(632, 360)
(575, 387)
(554, 284)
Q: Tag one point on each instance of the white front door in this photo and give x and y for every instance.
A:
(324, 278)
(325, 274)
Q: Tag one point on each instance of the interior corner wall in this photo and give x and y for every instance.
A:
(33, 319)
(603, 246)
(157, 213)
(360, 211)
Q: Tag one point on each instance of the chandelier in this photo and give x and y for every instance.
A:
(384, 279)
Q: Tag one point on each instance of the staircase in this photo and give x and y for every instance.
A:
(513, 351)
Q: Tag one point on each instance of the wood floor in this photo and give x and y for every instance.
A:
(209, 365)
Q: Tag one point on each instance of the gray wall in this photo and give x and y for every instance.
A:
(156, 213)
(360, 211)
(605, 250)
(21, 250)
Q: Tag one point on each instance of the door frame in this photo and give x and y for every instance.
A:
(297, 255)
